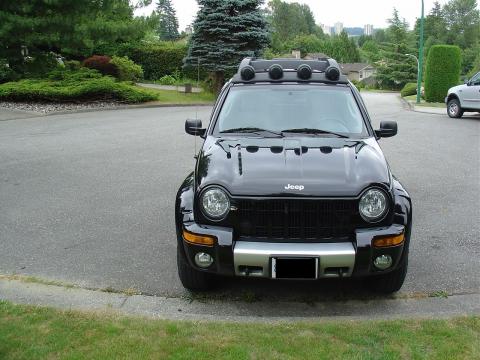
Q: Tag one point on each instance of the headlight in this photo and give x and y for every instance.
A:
(215, 203)
(373, 205)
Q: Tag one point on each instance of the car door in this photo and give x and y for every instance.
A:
(471, 94)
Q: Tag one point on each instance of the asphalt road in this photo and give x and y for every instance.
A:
(88, 199)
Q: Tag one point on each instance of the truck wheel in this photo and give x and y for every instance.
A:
(192, 279)
(389, 283)
(454, 109)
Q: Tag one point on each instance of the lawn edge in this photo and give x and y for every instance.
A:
(190, 309)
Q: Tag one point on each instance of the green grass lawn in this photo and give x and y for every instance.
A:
(424, 103)
(176, 97)
(40, 333)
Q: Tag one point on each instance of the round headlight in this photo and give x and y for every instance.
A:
(373, 205)
(215, 203)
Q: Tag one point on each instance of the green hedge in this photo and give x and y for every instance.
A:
(444, 64)
(157, 60)
(64, 86)
(409, 89)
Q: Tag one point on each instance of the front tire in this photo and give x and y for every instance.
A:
(391, 282)
(454, 109)
(191, 278)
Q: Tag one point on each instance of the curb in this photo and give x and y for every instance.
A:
(66, 298)
(423, 110)
(33, 114)
(126, 107)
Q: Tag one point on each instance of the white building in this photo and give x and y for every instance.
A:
(338, 28)
(327, 30)
(368, 30)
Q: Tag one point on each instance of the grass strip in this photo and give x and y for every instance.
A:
(28, 332)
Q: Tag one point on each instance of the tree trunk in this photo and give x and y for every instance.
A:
(218, 81)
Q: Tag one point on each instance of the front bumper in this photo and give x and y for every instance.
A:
(247, 258)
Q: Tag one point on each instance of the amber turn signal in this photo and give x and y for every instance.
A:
(388, 241)
(198, 239)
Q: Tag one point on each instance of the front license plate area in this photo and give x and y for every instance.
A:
(294, 268)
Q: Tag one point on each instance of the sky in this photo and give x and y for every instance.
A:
(351, 13)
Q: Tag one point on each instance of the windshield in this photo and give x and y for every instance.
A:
(301, 108)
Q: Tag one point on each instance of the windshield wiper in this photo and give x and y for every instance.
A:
(250, 130)
(313, 131)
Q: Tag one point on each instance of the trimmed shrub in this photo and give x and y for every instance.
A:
(444, 64)
(102, 64)
(409, 89)
(6, 72)
(83, 85)
(39, 65)
(72, 65)
(167, 80)
(158, 60)
(127, 69)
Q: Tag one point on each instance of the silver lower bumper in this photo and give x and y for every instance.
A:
(254, 258)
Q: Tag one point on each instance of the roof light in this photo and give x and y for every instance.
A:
(276, 72)
(332, 73)
(304, 72)
(247, 73)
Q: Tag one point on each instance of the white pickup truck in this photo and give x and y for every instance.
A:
(464, 98)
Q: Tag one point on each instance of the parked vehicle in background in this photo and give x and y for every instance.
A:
(464, 98)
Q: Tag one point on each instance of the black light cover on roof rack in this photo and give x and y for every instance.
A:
(247, 72)
(304, 72)
(332, 73)
(276, 72)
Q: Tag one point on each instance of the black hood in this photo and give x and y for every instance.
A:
(291, 166)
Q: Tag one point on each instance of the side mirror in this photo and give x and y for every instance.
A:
(194, 127)
(387, 129)
(467, 82)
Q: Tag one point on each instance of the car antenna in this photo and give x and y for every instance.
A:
(196, 105)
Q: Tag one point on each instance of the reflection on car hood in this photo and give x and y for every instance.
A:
(291, 166)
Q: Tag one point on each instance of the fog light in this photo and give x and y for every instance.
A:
(203, 260)
(383, 262)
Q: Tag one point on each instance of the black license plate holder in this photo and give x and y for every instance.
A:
(297, 268)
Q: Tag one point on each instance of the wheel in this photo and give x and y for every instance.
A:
(454, 109)
(192, 279)
(391, 282)
(388, 283)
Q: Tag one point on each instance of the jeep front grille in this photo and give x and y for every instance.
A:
(296, 219)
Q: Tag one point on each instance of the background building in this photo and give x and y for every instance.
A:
(368, 30)
(327, 30)
(338, 28)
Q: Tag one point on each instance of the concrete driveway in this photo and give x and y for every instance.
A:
(88, 199)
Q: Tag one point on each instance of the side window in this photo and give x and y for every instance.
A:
(476, 79)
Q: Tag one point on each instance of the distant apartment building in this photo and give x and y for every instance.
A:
(338, 28)
(327, 30)
(368, 30)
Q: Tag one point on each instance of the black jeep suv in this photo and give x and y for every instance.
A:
(290, 183)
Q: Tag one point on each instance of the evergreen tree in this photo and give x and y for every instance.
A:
(168, 22)
(224, 33)
(398, 29)
(395, 69)
(72, 27)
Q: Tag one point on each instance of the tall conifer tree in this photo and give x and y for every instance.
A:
(225, 32)
(168, 24)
